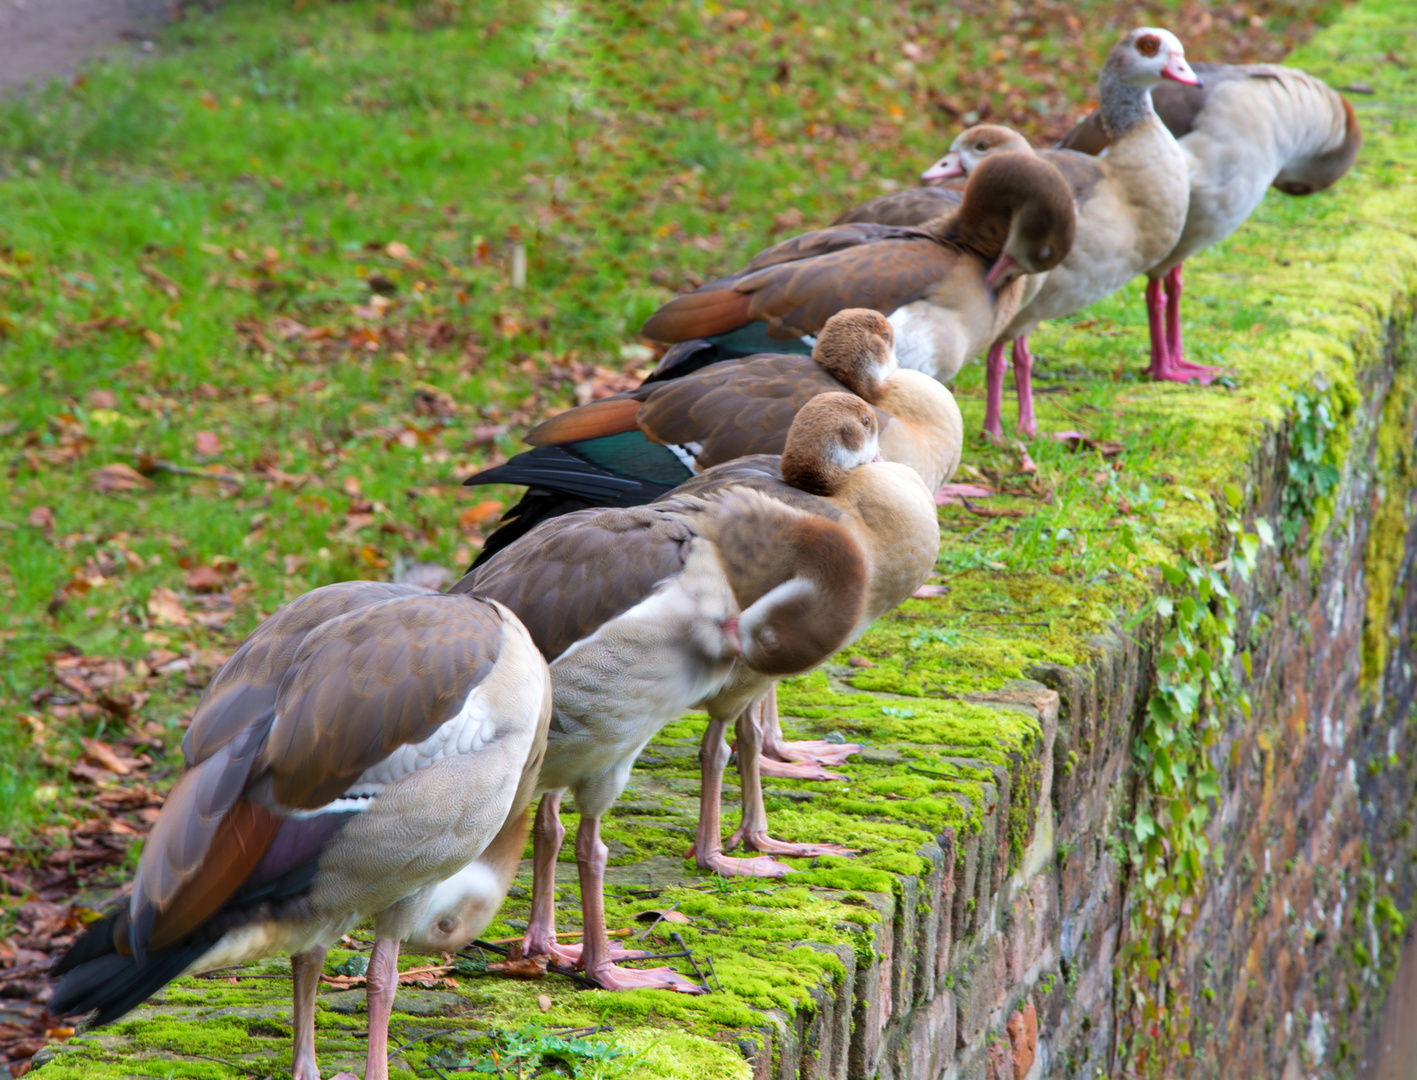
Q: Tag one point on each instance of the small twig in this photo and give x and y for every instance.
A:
(10, 973)
(235, 479)
(709, 961)
(679, 940)
(430, 1035)
(927, 772)
(557, 969)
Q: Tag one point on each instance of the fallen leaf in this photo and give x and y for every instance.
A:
(662, 915)
(476, 515)
(396, 250)
(860, 662)
(208, 445)
(165, 606)
(101, 754)
(41, 517)
(204, 579)
(543, 1002)
(994, 511)
(527, 967)
(119, 477)
(103, 399)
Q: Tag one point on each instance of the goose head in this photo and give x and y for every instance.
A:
(1018, 205)
(1148, 56)
(857, 348)
(830, 435)
(971, 146)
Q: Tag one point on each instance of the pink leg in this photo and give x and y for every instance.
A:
(382, 984)
(1163, 318)
(1023, 382)
(753, 831)
(547, 837)
(708, 844)
(994, 393)
(591, 857)
(306, 968)
(1174, 349)
(1173, 316)
(777, 751)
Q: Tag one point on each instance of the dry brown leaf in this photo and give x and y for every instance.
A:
(101, 754)
(165, 606)
(474, 516)
(204, 579)
(662, 914)
(208, 445)
(41, 517)
(119, 477)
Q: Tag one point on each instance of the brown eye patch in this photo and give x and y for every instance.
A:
(1148, 45)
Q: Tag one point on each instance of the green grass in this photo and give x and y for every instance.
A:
(272, 271)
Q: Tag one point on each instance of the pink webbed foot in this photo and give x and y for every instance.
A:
(761, 842)
(343, 1074)
(733, 866)
(796, 770)
(827, 753)
(611, 977)
(1186, 372)
(570, 955)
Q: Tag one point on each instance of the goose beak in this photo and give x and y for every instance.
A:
(731, 636)
(948, 166)
(1179, 71)
(1002, 272)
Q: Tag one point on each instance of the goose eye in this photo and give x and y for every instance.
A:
(981, 146)
(1148, 45)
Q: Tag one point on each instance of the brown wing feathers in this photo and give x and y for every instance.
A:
(612, 416)
(359, 685)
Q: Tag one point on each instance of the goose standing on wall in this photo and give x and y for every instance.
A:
(890, 512)
(366, 743)
(1249, 127)
(649, 611)
(1132, 217)
(949, 176)
(947, 286)
(629, 449)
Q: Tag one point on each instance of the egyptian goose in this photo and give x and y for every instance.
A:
(649, 611)
(1250, 127)
(1132, 213)
(364, 744)
(890, 511)
(633, 447)
(947, 286)
(951, 172)
(944, 180)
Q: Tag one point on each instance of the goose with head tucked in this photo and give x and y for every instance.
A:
(948, 286)
(633, 447)
(365, 744)
(697, 600)
(1249, 127)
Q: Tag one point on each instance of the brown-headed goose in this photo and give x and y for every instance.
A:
(649, 611)
(1248, 128)
(633, 447)
(364, 744)
(891, 513)
(951, 172)
(947, 286)
(944, 180)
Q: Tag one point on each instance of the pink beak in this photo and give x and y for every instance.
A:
(947, 167)
(1178, 70)
(1002, 272)
(730, 632)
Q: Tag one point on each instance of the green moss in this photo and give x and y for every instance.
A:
(1395, 472)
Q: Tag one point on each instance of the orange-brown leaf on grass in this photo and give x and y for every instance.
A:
(204, 579)
(161, 280)
(165, 607)
(41, 517)
(993, 511)
(208, 445)
(662, 915)
(118, 477)
(395, 249)
(475, 515)
(102, 399)
(350, 484)
(101, 754)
